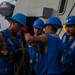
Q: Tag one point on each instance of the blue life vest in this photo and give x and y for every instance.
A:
(68, 63)
(7, 68)
(50, 62)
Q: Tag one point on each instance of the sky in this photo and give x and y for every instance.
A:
(4, 0)
(10, 1)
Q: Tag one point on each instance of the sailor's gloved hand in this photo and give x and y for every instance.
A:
(25, 29)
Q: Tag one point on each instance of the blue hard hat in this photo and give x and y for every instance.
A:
(20, 18)
(53, 21)
(70, 20)
(38, 23)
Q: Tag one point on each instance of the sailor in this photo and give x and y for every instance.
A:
(9, 42)
(50, 48)
(38, 30)
(68, 62)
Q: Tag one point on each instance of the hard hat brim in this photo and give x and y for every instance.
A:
(11, 19)
(52, 24)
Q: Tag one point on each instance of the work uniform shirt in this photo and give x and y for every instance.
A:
(50, 62)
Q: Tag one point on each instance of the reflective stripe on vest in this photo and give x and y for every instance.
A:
(73, 45)
(64, 38)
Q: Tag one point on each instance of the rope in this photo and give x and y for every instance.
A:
(23, 67)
